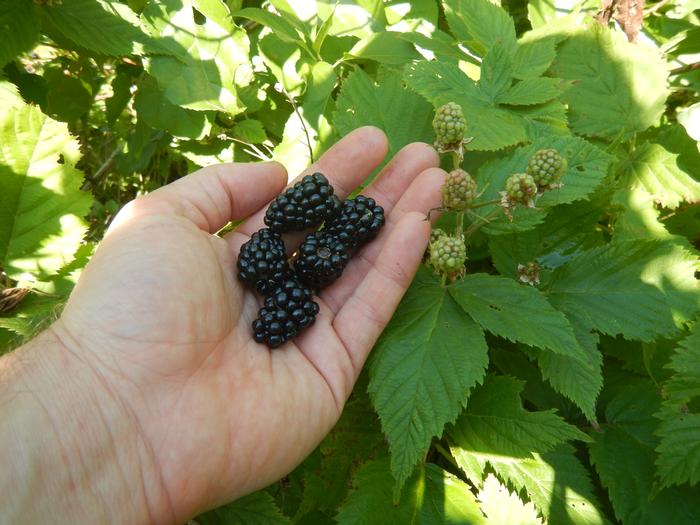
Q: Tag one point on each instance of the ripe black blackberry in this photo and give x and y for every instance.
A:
(287, 310)
(359, 221)
(263, 261)
(306, 204)
(321, 259)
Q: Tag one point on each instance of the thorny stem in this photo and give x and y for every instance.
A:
(485, 203)
(303, 124)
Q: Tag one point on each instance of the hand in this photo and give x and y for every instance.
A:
(161, 321)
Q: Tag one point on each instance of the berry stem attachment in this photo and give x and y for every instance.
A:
(456, 159)
(459, 223)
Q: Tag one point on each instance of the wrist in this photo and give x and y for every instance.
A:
(75, 452)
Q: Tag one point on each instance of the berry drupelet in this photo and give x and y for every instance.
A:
(287, 310)
(321, 259)
(263, 261)
(306, 204)
(359, 221)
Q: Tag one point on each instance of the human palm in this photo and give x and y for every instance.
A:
(161, 318)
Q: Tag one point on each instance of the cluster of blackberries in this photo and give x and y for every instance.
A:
(288, 284)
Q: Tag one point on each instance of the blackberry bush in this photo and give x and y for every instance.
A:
(305, 205)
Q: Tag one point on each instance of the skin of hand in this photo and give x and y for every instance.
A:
(150, 386)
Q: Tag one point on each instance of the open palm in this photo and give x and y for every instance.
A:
(160, 316)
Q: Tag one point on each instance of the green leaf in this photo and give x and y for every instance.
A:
(19, 26)
(639, 289)
(533, 57)
(105, 26)
(679, 451)
(428, 359)
(355, 437)
(210, 57)
(506, 308)
(656, 170)
(431, 497)
(534, 91)
(493, 128)
(503, 507)
(41, 204)
(567, 229)
(279, 25)
(67, 96)
(639, 216)
(121, 89)
(402, 115)
(9, 96)
(496, 73)
(621, 92)
(480, 24)
(495, 422)
(577, 378)
(556, 482)
(158, 112)
(350, 18)
(257, 508)
(439, 44)
(386, 47)
(250, 130)
(626, 445)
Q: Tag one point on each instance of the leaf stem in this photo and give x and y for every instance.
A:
(444, 453)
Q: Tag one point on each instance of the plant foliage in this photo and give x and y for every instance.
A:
(553, 379)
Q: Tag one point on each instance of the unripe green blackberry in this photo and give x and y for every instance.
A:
(521, 189)
(546, 167)
(458, 191)
(447, 254)
(449, 125)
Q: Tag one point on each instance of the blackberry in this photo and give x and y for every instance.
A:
(447, 254)
(458, 190)
(263, 261)
(546, 167)
(321, 259)
(450, 126)
(521, 189)
(287, 310)
(306, 204)
(359, 221)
